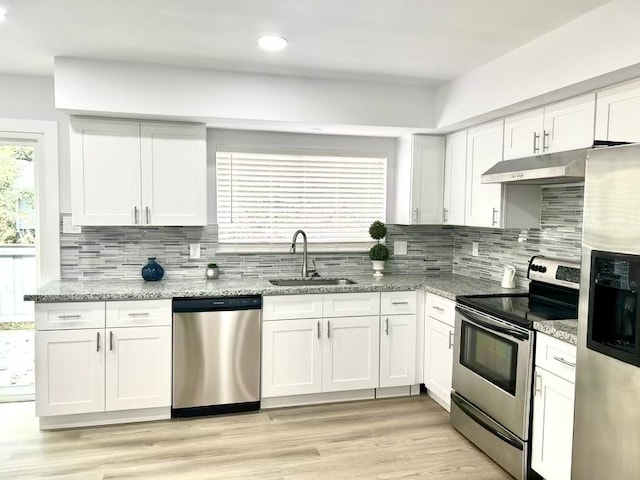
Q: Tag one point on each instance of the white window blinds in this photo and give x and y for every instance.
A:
(265, 198)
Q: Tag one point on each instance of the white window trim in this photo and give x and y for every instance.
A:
(44, 134)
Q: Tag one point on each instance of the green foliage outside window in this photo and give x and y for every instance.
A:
(17, 196)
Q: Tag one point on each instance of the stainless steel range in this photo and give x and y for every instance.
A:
(494, 356)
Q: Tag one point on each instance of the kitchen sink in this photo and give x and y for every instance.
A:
(304, 282)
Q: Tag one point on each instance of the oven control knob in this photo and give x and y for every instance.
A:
(535, 268)
(543, 269)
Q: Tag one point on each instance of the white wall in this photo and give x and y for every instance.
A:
(600, 48)
(245, 138)
(27, 97)
(136, 89)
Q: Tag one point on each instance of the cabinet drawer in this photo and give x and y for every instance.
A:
(139, 313)
(67, 316)
(394, 303)
(556, 356)
(440, 308)
(287, 307)
(351, 304)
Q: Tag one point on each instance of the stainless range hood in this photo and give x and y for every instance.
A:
(560, 167)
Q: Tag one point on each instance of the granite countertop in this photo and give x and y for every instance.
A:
(565, 330)
(446, 285)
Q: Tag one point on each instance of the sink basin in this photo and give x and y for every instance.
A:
(304, 282)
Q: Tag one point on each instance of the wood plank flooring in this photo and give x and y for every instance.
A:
(394, 438)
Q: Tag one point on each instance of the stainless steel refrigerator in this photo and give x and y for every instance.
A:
(606, 439)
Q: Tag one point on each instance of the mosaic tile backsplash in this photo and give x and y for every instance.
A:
(121, 252)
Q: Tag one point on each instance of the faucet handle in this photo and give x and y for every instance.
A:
(312, 272)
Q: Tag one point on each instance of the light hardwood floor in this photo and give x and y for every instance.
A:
(394, 438)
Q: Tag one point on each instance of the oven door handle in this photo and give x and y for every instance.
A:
(492, 326)
(514, 442)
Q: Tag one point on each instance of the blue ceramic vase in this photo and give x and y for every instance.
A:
(152, 271)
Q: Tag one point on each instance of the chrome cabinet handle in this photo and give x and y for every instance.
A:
(399, 303)
(565, 362)
(138, 314)
(386, 328)
(536, 149)
(435, 307)
(111, 340)
(147, 214)
(538, 388)
(135, 215)
(450, 339)
(444, 215)
(318, 328)
(328, 328)
(545, 137)
(97, 341)
(67, 317)
(494, 222)
(415, 215)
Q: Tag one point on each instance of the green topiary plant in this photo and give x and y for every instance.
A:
(379, 252)
(212, 265)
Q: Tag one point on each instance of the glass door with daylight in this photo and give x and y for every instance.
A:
(17, 269)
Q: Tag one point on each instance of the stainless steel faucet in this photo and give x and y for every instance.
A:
(305, 272)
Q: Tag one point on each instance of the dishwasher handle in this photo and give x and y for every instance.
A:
(217, 304)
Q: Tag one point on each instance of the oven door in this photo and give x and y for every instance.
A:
(492, 368)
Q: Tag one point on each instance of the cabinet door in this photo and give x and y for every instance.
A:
(569, 125)
(105, 172)
(291, 357)
(419, 180)
(484, 201)
(138, 368)
(397, 350)
(455, 173)
(523, 134)
(438, 359)
(69, 371)
(351, 353)
(618, 113)
(174, 174)
(552, 426)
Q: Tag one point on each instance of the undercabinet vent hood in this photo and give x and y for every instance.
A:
(560, 167)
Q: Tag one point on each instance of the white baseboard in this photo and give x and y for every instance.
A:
(315, 398)
(446, 404)
(389, 392)
(104, 418)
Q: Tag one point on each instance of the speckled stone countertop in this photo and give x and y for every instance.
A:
(565, 330)
(446, 285)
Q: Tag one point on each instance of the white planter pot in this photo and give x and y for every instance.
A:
(378, 267)
(212, 273)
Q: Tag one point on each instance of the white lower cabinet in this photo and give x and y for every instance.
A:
(350, 354)
(291, 357)
(397, 350)
(138, 368)
(344, 346)
(69, 371)
(108, 369)
(438, 348)
(553, 402)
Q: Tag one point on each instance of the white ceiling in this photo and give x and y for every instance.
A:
(425, 42)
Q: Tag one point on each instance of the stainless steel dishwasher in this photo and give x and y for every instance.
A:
(216, 355)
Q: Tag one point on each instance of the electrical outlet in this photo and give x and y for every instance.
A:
(68, 226)
(194, 250)
(474, 249)
(400, 248)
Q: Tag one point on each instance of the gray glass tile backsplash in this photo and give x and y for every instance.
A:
(120, 252)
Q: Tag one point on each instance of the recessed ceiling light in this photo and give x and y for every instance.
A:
(272, 43)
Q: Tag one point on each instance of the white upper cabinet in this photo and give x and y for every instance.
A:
(174, 177)
(483, 201)
(105, 172)
(419, 180)
(132, 173)
(455, 172)
(561, 126)
(618, 113)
